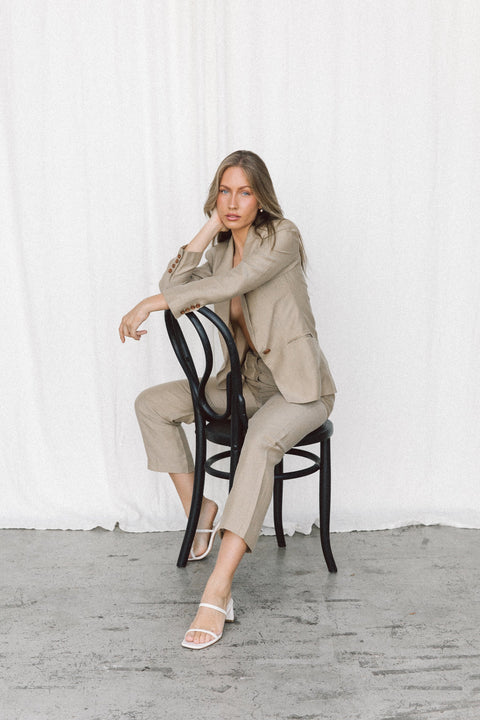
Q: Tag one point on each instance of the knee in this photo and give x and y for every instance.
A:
(144, 403)
(167, 402)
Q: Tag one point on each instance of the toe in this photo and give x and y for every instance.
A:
(192, 636)
(197, 637)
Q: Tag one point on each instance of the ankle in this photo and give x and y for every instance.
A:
(208, 504)
(208, 509)
(219, 586)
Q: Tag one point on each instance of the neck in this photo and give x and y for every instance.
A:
(240, 238)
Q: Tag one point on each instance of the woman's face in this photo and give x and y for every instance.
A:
(237, 206)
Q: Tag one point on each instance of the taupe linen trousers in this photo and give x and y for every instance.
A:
(275, 425)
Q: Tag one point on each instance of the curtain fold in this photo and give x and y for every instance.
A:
(114, 116)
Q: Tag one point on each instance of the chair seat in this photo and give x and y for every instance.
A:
(218, 431)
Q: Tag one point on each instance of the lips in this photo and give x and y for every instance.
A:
(233, 217)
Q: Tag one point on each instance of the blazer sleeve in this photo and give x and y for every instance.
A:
(185, 268)
(262, 263)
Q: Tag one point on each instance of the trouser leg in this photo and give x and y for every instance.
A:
(274, 429)
(160, 411)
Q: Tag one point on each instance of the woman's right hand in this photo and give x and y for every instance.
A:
(216, 222)
(208, 232)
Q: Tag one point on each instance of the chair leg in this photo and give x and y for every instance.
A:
(277, 505)
(325, 492)
(197, 495)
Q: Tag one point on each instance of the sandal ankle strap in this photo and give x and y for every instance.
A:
(213, 607)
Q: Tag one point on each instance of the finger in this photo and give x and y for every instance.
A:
(122, 336)
(126, 331)
(135, 333)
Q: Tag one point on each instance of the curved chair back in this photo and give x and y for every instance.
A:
(203, 411)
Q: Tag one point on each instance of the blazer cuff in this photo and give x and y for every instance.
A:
(180, 268)
(176, 304)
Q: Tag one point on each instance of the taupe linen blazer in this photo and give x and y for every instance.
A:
(275, 302)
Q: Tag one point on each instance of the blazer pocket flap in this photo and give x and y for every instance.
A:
(299, 337)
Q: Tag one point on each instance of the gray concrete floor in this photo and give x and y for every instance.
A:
(91, 624)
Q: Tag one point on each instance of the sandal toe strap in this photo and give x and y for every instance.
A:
(208, 632)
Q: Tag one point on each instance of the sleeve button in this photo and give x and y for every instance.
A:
(169, 269)
(266, 351)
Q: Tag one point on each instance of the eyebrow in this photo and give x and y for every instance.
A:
(240, 188)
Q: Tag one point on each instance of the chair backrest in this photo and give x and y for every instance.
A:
(235, 402)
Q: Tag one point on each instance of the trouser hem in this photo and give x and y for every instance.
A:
(157, 468)
(250, 539)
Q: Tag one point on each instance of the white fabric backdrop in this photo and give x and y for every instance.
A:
(114, 115)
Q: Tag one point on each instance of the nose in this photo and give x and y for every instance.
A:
(232, 201)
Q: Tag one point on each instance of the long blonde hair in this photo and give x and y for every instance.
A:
(261, 183)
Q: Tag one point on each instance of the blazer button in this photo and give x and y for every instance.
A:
(182, 312)
(179, 256)
(197, 305)
(169, 269)
(265, 352)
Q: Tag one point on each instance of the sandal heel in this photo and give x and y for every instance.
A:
(230, 616)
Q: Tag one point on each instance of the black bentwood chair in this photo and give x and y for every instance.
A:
(229, 429)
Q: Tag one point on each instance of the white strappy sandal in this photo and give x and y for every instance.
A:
(229, 617)
(212, 532)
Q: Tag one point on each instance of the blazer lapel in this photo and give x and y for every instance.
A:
(249, 244)
(225, 261)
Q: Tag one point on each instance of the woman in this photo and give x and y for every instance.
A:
(254, 276)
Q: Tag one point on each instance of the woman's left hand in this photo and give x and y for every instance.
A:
(131, 321)
(138, 315)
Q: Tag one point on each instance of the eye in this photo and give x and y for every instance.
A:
(245, 192)
(222, 191)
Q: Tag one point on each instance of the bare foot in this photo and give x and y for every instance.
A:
(205, 522)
